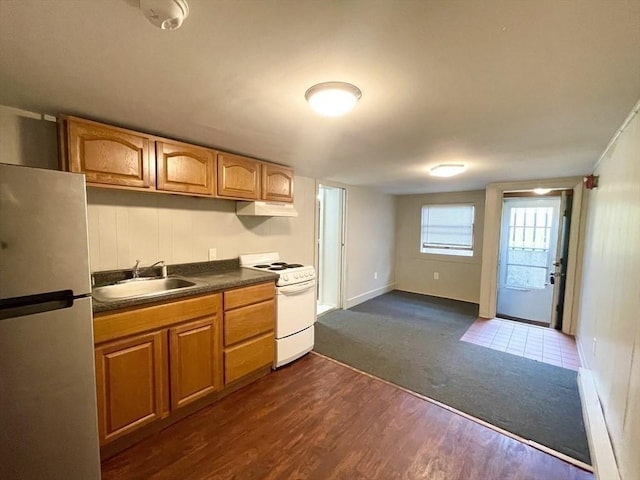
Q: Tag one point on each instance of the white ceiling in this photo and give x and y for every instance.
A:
(517, 90)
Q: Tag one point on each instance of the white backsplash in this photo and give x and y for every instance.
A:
(128, 226)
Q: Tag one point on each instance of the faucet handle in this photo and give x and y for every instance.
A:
(135, 271)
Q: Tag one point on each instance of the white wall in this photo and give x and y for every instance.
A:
(127, 226)
(370, 244)
(459, 277)
(610, 301)
(27, 139)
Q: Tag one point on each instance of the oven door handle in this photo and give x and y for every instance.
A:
(297, 288)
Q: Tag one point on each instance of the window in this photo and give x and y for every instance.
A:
(447, 229)
(528, 247)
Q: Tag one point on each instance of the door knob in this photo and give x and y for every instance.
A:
(552, 278)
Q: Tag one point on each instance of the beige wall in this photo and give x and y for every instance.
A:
(459, 277)
(27, 139)
(610, 305)
(370, 244)
(127, 226)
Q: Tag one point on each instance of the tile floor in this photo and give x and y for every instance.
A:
(537, 343)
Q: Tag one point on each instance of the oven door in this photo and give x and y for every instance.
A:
(296, 308)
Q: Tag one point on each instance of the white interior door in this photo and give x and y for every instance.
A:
(330, 247)
(528, 242)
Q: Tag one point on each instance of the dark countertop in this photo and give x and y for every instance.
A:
(209, 277)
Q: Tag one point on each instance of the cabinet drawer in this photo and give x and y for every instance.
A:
(249, 321)
(248, 357)
(248, 295)
(109, 326)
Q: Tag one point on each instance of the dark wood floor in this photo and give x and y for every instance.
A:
(316, 419)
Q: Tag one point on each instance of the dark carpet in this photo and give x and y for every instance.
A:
(414, 341)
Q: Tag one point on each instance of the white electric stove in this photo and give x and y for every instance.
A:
(295, 304)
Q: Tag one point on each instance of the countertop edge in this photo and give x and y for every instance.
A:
(206, 282)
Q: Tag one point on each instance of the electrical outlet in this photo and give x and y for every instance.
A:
(213, 253)
(375, 275)
(436, 275)
(593, 346)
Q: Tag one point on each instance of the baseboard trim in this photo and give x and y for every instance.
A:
(466, 300)
(518, 438)
(602, 454)
(363, 297)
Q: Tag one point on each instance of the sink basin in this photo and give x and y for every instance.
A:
(139, 289)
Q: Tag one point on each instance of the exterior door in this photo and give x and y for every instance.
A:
(527, 253)
(558, 276)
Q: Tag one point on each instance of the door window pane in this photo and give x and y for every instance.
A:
(528, 247)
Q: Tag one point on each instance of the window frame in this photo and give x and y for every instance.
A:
(451, 250)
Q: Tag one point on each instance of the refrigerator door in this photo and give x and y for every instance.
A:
(48, 397)
(43, 232)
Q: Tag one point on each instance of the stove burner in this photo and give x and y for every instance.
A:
(278, 267)
(279, 264)
(294, 265)
(261, 266)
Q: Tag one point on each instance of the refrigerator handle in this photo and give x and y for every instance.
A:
(30, 304)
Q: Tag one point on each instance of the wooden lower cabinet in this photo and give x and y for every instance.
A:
(249, 330)
(248, 357)
(194, 361)
(154, 360)
(131, 375)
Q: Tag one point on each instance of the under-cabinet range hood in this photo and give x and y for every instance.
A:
(266, 209)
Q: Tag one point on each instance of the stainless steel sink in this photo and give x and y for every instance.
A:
(140, 288)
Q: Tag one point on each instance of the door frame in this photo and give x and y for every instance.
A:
(342, 296)
(528, 200)
(491, 240)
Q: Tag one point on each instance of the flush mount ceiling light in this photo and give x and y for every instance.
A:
(541, 191)
(165, 14)
(332, 99)
(447, 170)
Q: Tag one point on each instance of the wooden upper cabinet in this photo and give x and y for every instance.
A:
(185, 168)
(277, 183)
(238, 177)
(107, 155)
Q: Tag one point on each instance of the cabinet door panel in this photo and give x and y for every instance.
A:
(249, 321)
(248, 357)
(195, 361)
(238, 177)
(130, 376)
(185, 168)
(109, 155)
(277, 183)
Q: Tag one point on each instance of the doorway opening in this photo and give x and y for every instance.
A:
(534, 242)
(330, 244)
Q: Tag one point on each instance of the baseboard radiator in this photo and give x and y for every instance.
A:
(602, 455)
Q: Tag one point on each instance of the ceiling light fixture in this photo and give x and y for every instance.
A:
(332, 99)
(541, 191)
(165, 14)
(447, 170)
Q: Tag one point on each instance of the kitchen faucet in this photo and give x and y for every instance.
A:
(136, 270)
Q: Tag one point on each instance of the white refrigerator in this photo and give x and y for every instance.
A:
(48, 419)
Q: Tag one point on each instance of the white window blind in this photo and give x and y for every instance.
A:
(447, 229)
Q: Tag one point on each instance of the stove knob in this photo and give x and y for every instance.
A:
(295, 275)
(285, 278)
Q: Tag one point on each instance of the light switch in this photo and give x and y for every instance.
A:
(213, 253)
